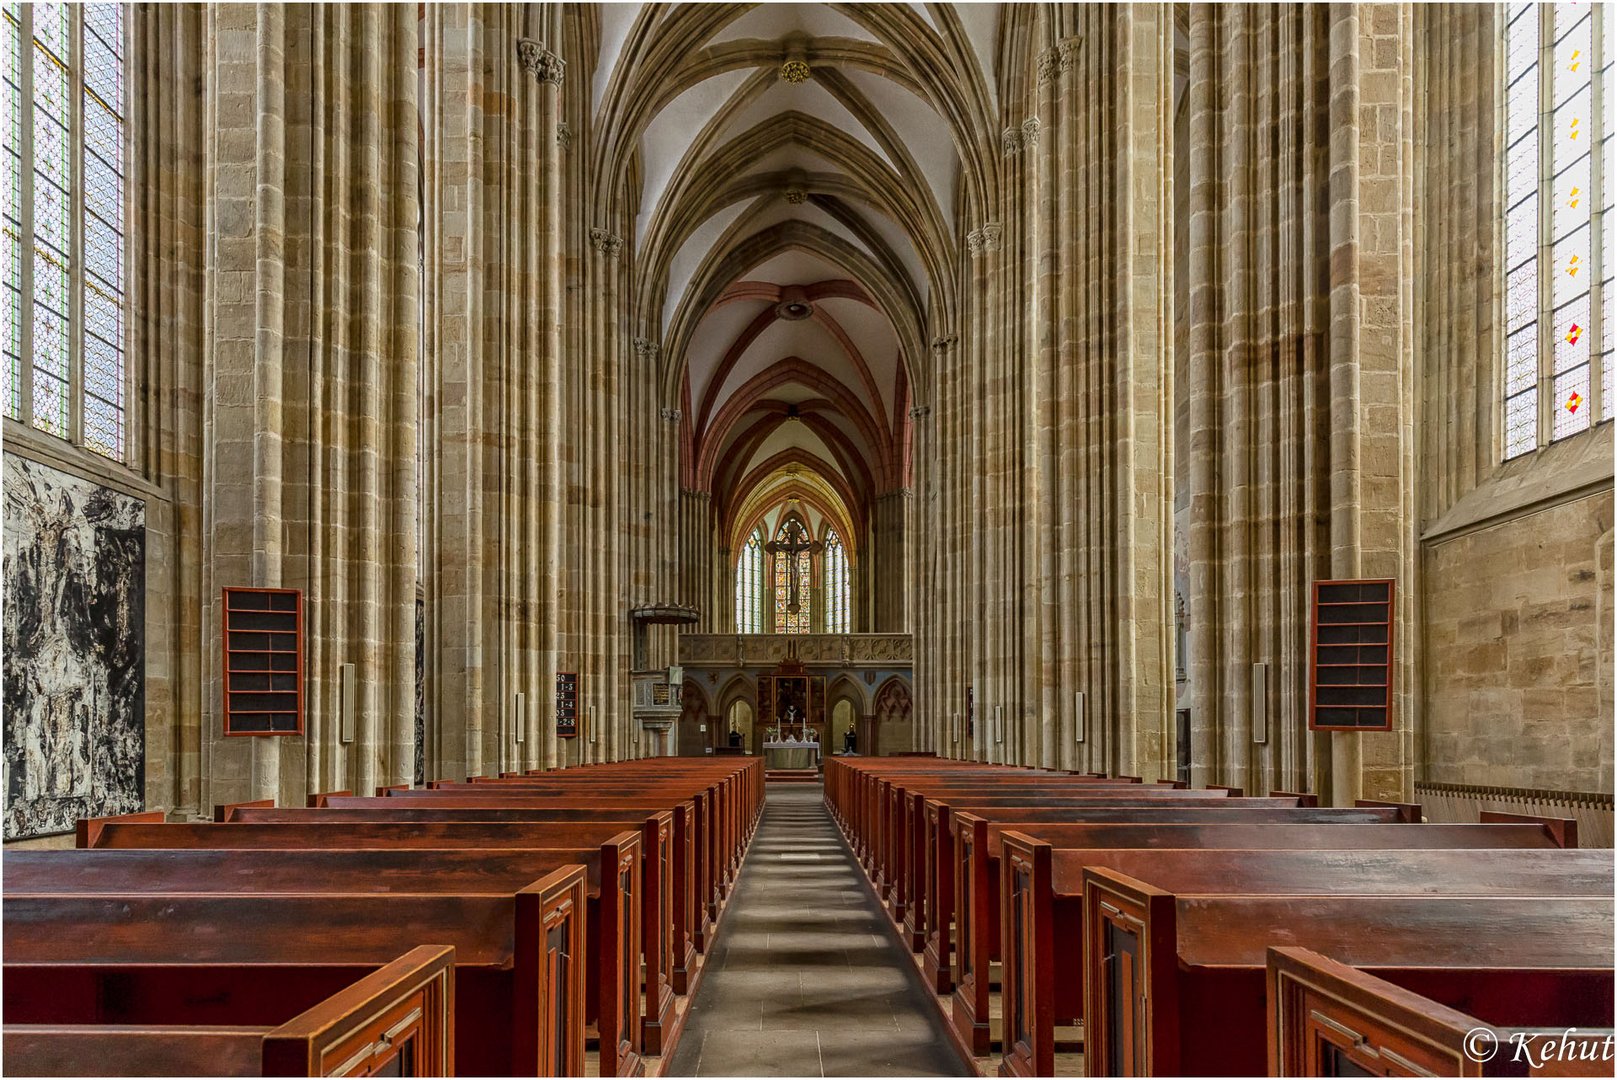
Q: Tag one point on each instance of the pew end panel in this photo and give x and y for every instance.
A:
(914, 871)
(1563, 830)
(183, 1019)
(619, 1016)
(1131, 1007)
(973, 944)
(1305, 799)
(87, 831)
(548, 995)
(223, 812)
(399, 1018)
(686, 917)
(1408, 813)
(318, 799)
(1028, 976)
(939, 899)
(657, 932)
(1329, 1019)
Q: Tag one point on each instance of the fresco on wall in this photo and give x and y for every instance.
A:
(74, 634)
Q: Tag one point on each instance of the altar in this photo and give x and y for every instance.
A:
(779, 756)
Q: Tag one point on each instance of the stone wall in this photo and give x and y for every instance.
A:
(1518, 651)
(1515, 661)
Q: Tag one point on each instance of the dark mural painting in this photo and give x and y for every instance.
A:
(74, 672)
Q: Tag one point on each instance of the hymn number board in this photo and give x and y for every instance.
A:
(263, 643)
(566, 704)
(1350, 666)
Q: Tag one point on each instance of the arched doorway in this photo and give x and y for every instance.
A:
(844, 719)
(740, 718)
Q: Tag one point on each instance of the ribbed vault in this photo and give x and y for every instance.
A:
(796, 176)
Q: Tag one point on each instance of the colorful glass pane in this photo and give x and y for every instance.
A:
(749, 585)
(63, 223)
(11, 225)
(1571, 412)
(837, 607)
(1557, 336)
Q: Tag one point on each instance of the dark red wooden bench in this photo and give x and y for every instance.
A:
(520, 981)
(1329, 1019)
(88, 1020)
(613, 916)
(1174, 984)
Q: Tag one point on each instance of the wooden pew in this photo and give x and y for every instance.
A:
(612, 926)
(891, 851)
(1174, 982)
(690, 928)
(974, 871)
(877, 830)
(930, 880)
(1329, 1019)
(723, 839)
(85, 1020)
(1042, 885)
(519, 986)
(710, 835)
(928, 836)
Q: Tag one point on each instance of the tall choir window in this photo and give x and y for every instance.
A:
(65, 306)
(793, 581)
(1559, 321)
(750, 586)
(837, 614)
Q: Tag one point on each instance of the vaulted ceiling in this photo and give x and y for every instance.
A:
(794, 172)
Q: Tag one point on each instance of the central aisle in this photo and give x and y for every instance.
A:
(805, 978)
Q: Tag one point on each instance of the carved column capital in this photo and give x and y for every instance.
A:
(943, 343)
(540, 62)
(921, 412)
(646, 349)
(1068, 49)
(606, 243)
(985, 239)
(564, 135)
(673, 416)
(1030, 132)
(1010, 142)
(1049, 64)
(1058, 59)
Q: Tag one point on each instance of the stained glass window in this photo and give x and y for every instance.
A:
(1558, 301)
(64, 162)
(750, 585)
(792, 579)
(837, 607)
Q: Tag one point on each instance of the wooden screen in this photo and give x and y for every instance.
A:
(263, 643)
(1350, 664)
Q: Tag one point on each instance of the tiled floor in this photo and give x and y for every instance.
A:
(805, 980)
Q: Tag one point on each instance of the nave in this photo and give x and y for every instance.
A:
(807, 978)
(685, 918)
